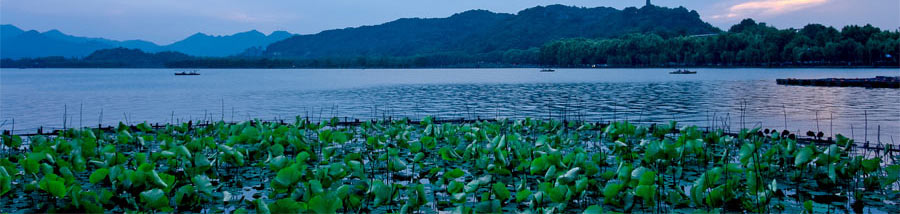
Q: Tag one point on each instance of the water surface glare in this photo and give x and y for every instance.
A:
(41, 97)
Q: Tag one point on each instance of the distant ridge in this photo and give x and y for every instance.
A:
(16, 43)
(201, 44)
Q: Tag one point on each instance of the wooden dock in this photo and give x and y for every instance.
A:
(877, 82)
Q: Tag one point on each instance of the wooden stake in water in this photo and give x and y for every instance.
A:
(817, 121)
(831, 124)
(65, 112)
(783, 108)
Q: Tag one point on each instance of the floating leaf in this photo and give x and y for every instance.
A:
(325, 204)
(286, 177)
(286, 205)
(203, 184)
(383, 193)
(98, 175)
(455, 173)
(5, 181)
(593, 209)
(500, 191)
(155, 198)
(521, 195)
(804, 156)
(569, 176)
(455, 187)
(261, 207)
(558, 193)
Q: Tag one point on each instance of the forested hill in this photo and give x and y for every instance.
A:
(554, 36)
(746, 44)
(479, 31)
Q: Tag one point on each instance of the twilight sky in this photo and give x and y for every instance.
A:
(166, 21)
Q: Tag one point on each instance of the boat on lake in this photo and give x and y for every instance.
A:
(187, 73)
(548, 70)
(683, 71)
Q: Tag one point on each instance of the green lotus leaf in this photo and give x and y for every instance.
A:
(383, 193)
(287, 205)
(286, 177)
(501, 191)
(455, 173)
(262, 207)
(98, 175)
(569, 176)
(522, 195)
(455, 187)
(5, 181)
(593, 209)
(202, 183)
(155, 198)
(804, 156)
(325, 204)
(558, 193)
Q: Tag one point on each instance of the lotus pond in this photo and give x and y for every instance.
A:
(522, 166)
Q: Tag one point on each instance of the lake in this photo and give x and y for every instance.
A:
(731, 98)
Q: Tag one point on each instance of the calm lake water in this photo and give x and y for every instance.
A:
(41, 97)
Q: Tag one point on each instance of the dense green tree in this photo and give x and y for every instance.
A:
(745, 44)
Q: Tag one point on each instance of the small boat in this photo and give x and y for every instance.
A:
(188, 73)
(548, 70)
(685, 71)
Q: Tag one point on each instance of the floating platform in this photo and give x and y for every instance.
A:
(186, 73)
(877, 82)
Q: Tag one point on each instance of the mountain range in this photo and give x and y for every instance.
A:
(477, 33)
(481, 31)
(17, 43)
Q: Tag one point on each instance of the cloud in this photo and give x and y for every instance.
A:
(768, 7)
(242, 17)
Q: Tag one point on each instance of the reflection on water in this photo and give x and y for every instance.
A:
(715, 97)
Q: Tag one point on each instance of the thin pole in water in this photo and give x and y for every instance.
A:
(65, 112)
(866, 127)
(742, 114)
(614, 112)
(641, 115)
(783, 108)
(817, 122)
(714, 121)
(80, 110)
(223, 109)
(831, 124)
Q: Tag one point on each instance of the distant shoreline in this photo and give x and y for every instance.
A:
(482, 67)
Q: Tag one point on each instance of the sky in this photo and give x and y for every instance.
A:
(167, 21)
